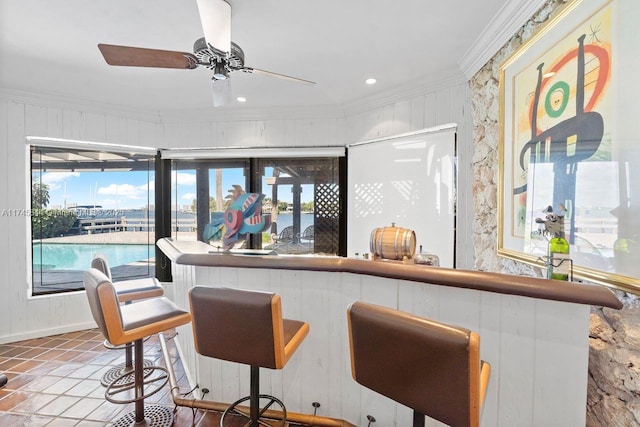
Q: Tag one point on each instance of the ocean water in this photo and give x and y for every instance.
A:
(286, 219)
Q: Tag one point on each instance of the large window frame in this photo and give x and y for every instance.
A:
(73, 158)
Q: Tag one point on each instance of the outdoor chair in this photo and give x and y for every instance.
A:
(308, 235)
(285, 238)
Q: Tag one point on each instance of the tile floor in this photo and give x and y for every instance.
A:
(55, 381)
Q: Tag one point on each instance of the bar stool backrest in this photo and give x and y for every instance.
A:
(238, 325)
(103, 302)
(428, 366)
(99, 262)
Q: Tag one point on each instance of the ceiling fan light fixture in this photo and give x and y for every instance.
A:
(220, 72)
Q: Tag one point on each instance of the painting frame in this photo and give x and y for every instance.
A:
(562, 124)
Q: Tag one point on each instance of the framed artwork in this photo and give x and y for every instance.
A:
(570, 142)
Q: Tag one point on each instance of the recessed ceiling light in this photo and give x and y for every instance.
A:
(370, 81)
(241, 99)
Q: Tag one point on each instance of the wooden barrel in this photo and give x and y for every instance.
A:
(393, 242)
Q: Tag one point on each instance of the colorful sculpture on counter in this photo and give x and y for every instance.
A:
(214, 230)
(243, 217)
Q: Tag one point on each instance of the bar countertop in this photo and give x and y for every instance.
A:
(201, 254)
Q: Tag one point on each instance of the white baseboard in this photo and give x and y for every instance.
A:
(47, 332)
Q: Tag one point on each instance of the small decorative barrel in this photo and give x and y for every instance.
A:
(393, 242)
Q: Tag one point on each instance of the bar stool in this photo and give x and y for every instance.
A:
(121, 324)
(245, 327)
(127, 291)
(433, 368)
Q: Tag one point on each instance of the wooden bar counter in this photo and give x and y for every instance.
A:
(534, 332)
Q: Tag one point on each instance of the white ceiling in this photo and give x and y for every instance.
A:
(49, 46)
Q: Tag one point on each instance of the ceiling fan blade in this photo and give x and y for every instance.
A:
(278, 75)
(215, 16)
(141, 57)
(221, 90)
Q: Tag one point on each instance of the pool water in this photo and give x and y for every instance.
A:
(64, 256)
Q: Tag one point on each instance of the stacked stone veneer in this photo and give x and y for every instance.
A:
(614, 358)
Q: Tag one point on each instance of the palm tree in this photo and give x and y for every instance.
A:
(219, 190)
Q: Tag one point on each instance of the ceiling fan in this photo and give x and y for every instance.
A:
(215, 51)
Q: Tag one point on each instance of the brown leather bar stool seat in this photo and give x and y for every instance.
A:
(128, 291)
(245, 327)
(433, 368)
(121, 324)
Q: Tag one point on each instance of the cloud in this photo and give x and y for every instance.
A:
(52, 179)
(183, 178)
(122, 190)
(188, 196)
(150, 187)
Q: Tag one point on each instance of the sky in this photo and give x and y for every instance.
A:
(129, 190)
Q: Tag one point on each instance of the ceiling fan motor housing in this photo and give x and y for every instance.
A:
(214, 60)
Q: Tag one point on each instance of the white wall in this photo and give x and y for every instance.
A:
(283, 127)
(22, 316)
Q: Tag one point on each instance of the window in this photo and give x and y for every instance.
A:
(85, 202)
(302, 196)
(200, 192)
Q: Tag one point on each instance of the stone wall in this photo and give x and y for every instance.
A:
(614, 359)
(613, 398)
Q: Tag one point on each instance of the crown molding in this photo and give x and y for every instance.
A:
(509, 19)
(76, 103)
(417, 87)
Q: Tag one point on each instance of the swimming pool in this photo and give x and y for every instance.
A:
(65, 256)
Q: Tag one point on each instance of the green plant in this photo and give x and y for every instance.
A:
(39, 195)
(47, 223)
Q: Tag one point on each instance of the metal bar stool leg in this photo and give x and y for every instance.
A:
(151, 416)
(255, 410)
(139, 385)
(255, 395)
